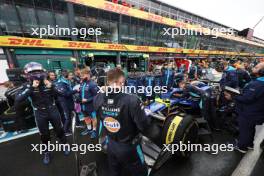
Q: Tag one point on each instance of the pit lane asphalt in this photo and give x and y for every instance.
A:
(16, 159)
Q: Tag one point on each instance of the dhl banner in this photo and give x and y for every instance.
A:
(117, 8)
(13, 41)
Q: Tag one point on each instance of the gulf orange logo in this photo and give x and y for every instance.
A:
(111, 124)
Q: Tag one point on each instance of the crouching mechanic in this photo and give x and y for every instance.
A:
(123, 117)
(88, 90)
(40, 92)
(250, 109)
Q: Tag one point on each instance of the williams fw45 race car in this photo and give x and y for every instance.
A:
(172, 125)
(169, 126)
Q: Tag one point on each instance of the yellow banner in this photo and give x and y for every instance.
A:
(117, 8)
(20, 42)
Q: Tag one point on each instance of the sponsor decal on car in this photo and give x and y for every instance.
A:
(173, 129)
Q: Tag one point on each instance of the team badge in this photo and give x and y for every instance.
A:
(111, 124)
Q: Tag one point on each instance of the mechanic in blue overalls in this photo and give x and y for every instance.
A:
(65, 100)
(168, 77)
(122, 117)
(193, 73)
(229, 77)
(41, 93)
(250, 109)
(88, 90)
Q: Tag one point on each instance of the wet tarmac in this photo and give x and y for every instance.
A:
(259, 167)
(17, 159)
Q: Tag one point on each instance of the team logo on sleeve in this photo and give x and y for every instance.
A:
(111, 124)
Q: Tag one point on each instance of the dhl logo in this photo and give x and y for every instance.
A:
(142, 48)
(180, 24)
(111, 124)
(116, 8)
(25, 42)
(178, 50)
(116, 47)
(157, 18)
(78, 45)
(162, 49)
(190, 51)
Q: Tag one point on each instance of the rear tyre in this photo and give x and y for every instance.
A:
(180, 129)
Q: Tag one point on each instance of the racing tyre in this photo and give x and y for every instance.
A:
(178, 130)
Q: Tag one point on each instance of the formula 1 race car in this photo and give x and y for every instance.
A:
(171, 127)
(16, 118)
(175, 125)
